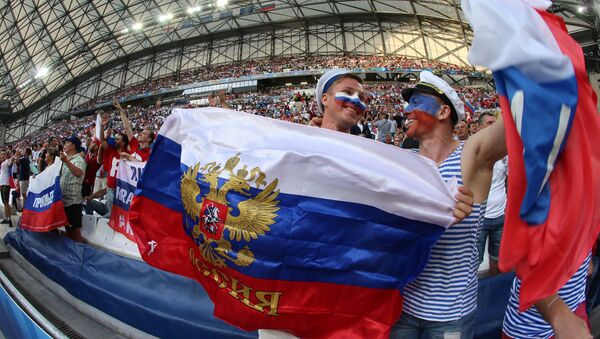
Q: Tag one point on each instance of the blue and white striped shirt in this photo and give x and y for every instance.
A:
(446, 290)
(530, 324)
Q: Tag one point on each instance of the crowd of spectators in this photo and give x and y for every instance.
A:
(280, 64)
(294, 104)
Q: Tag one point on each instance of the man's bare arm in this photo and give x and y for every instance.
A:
(480, 153)
(124, 119)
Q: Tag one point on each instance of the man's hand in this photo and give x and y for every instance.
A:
(563, 321)
(105, 118)
(571, 326)
(316, 122)
(223, 99)
(211, 100)
(116, 104)
(87, 198)
(124, 155)
(63, 156)
(464, 205)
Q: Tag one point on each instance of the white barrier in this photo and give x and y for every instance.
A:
(99, 234)
(88, 228)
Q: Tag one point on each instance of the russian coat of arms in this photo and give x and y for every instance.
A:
(210, 210)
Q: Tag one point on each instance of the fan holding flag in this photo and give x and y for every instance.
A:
(552, 129)
(441, 301)
(269, 225)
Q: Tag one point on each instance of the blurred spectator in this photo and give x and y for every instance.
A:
(398, 138)
(92, 167)
(473, 127)
(6, 163)
(384, 126)
(52, 142)
(51, 154)
(24, 172)
(109, 155)
(393, 127)
(460, 131)
(71, 179)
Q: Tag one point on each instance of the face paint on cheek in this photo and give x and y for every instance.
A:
(422, 122)
(354, 100)
(423, 103)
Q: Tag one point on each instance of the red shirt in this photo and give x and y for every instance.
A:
(111, 166)
(91, 169)
(139, 153)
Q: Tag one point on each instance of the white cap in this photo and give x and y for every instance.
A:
(428, 82)
(325, 82)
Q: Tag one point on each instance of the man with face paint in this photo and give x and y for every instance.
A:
(340, 100)
(441, 301)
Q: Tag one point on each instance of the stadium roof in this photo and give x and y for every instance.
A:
(47, 46)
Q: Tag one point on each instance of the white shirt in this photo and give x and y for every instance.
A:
(5, 172)
(496, 203)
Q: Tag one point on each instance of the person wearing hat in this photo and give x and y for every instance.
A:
(441, 301)
(340, 99)
(71, 180)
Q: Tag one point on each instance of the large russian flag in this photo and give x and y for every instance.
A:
(128, 176)
(552, 132)
(44, 209)
(287, 226)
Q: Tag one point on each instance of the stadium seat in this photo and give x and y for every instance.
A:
(104, 233)
(89, 226)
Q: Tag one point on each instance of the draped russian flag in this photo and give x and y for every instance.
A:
(552, 132)
(128, 176)
(288, 226)
(44, 209)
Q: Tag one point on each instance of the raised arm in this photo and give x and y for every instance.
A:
(124, 119)
(75, 170)
(223, 100)
(480, 153)
(103, 146)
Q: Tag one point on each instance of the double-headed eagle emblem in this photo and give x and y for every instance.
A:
(210, 210)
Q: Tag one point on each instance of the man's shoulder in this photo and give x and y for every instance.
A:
(134, 144)
(77, 158)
